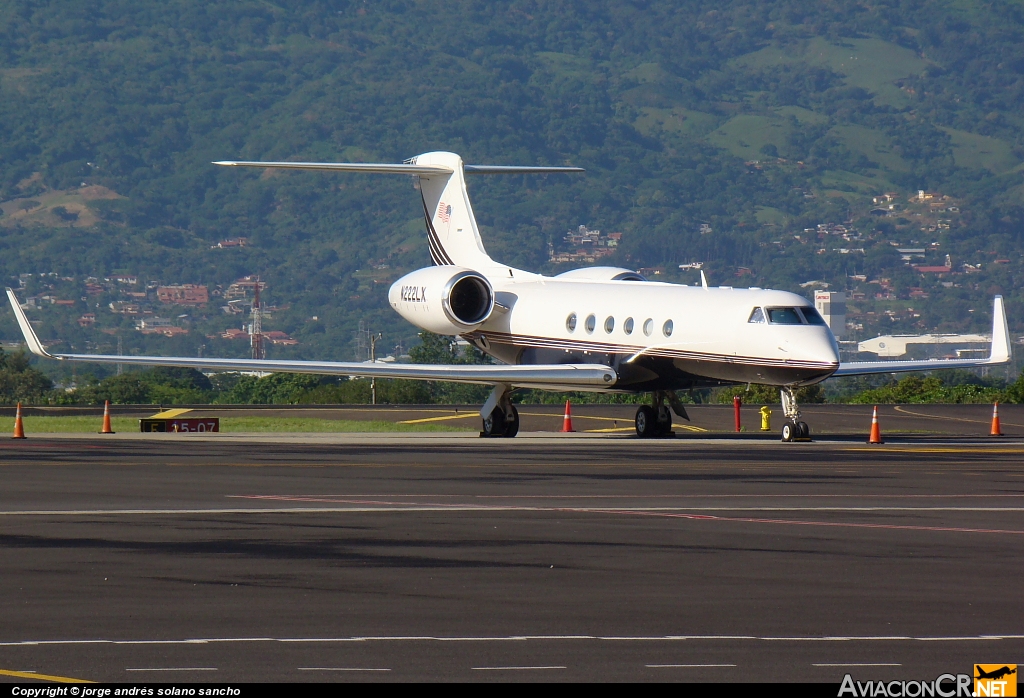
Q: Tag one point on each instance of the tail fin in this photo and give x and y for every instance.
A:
(451, 226)
(452, 232)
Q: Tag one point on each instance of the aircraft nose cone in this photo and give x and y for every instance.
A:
(826, 350)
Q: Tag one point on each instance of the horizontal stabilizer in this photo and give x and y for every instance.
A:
(517, 169)
(999, 353)
(399, 168)
(569, 376)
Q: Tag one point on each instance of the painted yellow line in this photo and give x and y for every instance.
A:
(687, 427)
(42, 677)
(900, 408)
(465, 415)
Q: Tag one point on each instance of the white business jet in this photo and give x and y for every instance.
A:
(598, 329)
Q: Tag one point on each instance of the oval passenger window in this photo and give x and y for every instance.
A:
(590, 324)
(627, 326)
(666, 329)
(609, 324)
(570, 322)
(648, 326)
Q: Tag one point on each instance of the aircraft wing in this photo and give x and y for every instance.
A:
(557, 376)
(999, 353)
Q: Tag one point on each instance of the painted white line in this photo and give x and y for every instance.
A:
(337, 668)
(858, 664)
(515, 668)
(179, 668)
(386, 508)
(526, 638)
(685, 666)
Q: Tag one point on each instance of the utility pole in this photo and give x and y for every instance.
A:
(120, 352)
(259, 350)
(373, 360)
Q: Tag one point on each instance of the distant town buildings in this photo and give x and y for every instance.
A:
(273, 336)
(243, 288)
(587, 246)
(186, 294)
(233, 242)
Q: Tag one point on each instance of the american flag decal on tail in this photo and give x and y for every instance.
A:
(444, 212)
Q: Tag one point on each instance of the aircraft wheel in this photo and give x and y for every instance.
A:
(789, 431)
(646, 425)
(494, 424)
(512, 425)
(804, 431)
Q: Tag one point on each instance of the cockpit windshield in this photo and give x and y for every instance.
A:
(787, 316)
(784, 316)
(812, 317)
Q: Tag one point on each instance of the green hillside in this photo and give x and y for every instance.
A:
(757, 120)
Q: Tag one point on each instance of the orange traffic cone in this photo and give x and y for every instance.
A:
(567, 420)
(19, 427)
(106, 418)
(996, 431)
(876, 433)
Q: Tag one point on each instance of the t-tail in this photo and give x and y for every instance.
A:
(452, 231)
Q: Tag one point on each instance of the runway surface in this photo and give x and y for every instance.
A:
(447, 557)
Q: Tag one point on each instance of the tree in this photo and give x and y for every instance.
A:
(19, 382)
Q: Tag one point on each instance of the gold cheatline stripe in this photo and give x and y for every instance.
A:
(42, 677)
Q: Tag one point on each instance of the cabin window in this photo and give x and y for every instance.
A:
(627, 326)
(812, 317)
(648, 326)
(609, 324)
(666, 329)
(784, 316)
(757, 316)
(570, 322)
(590, 324)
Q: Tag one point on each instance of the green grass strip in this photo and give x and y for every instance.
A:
(85, 425)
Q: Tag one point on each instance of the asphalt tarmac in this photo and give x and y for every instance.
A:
(547, 557)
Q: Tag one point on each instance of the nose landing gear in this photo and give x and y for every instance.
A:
(793, 429)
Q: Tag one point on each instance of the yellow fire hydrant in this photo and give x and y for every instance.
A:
(766, 418)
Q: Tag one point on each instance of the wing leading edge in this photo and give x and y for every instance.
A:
(558, 376)
(998, 354)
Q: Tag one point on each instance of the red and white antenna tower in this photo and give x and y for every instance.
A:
(259, 349)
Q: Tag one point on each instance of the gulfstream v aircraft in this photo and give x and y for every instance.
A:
(592, 329)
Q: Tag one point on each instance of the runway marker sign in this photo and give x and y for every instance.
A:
(995, 680)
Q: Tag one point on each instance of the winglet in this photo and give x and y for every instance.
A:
(1000, 352)
(34, 345)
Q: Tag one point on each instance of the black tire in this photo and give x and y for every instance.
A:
(663, 425)
(789, 431)
(512, 425)
(494, 425)
(646, 425)
(803, 431)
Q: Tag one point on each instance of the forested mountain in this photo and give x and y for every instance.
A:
(751, 136)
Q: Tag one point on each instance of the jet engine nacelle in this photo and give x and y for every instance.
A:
(444, 299)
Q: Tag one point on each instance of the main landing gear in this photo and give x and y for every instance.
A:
(793, 429)
(500, 417)
(656, 420)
